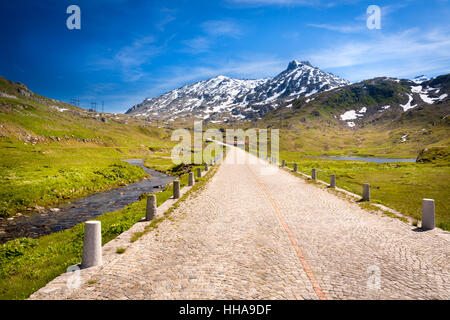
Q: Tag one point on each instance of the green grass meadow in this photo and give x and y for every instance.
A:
(398, 185)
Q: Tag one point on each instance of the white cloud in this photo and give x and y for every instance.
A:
(130, 58)
(409, 52)
(136, 53)
(291, 35)
(166, 20)
(168, 15)
(222, 28)
(198, 44)
(343, 29)
(212, 30)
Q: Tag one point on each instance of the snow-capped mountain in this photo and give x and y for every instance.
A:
(223, 98)
(207, 96)
(299, 79)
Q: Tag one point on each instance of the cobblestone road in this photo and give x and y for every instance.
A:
(257, 234)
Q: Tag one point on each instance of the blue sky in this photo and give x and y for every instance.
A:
(128, 50)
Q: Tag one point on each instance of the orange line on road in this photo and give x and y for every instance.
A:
(302, 259)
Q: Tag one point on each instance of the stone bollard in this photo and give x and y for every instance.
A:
(283, 164)
(333, 181)
(313, 174)
(92, 245)
(199, 172)
(295, 167)
(151, 208)
(428, 214)
(366, 192)
(206, 167)
(176, 189)
(191, 179)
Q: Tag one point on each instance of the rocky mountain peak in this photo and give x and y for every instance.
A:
(294, 64)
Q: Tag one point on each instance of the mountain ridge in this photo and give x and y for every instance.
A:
(222, 98)
(376, 100)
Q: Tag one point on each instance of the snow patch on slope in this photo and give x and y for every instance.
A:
(424, 94)
(353, 115)
(59, 109)
(408, 105)
(404, 138)
(349, 115)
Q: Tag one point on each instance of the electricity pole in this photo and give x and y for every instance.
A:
(75, 101)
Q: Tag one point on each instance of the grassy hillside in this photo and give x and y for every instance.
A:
(52, 151)
(314, 126)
